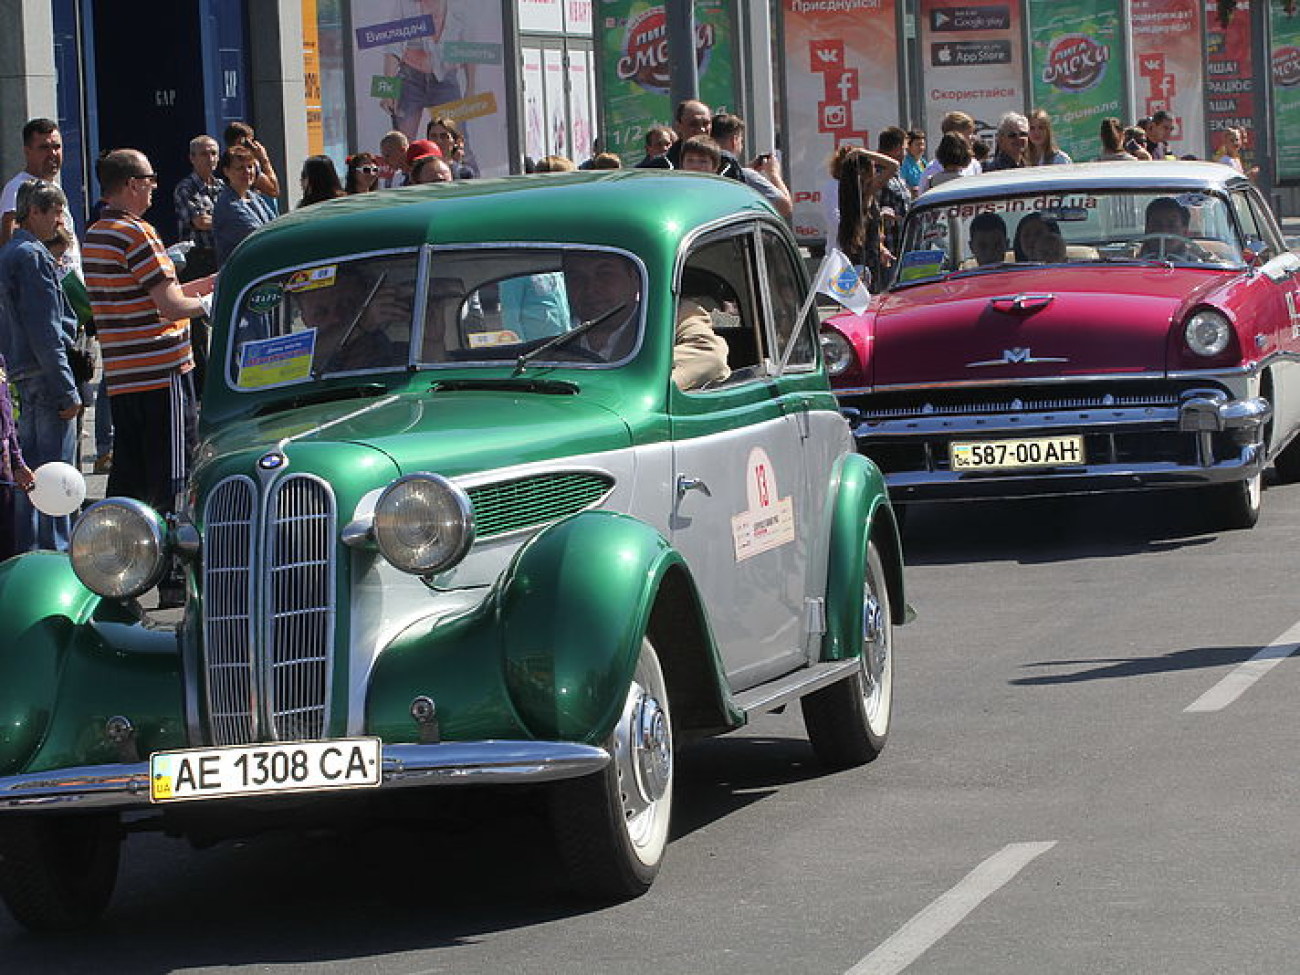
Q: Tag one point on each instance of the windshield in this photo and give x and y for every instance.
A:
(1075, 228)
(480, 306)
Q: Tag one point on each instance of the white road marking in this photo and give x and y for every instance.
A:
(1241, 677)
(914, 938)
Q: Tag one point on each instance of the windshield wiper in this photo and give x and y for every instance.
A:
(352, 327)
(565, 337)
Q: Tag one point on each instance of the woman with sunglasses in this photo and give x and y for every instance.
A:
(363, 173)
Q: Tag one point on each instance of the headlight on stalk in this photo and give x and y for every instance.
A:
(119, 548)
(423, 524)
(1208, 333)
(837, 352)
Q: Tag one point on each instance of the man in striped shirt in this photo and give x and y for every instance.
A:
(141, 316)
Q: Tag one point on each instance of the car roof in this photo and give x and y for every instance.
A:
(1137, 175)
(636, 209)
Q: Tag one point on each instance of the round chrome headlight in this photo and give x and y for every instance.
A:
(119, 548)
(423, 524)
(1208, 333)
(837, 352)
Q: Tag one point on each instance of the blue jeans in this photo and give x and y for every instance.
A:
(103, 420)
(44, 438)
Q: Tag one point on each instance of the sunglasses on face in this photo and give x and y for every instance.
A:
(368, 169)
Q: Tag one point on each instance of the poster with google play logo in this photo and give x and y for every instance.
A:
(971, 62)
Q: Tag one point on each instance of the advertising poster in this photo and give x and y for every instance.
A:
(632, 41)
(580, 94)
(557, 128)
(1076, 66)
(1229, 82)
(541, 15)
(841, 88)
(417, 59)
(971, 62)
(1168, 73)
(534, 105)
(577, 16)
(311, 78)
(1286, 94)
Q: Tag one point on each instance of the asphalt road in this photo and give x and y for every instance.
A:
(1047, 801)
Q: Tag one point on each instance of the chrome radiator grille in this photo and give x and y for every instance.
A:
(269, 608)
(228, 610)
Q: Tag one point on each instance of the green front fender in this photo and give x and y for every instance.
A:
(68, 662)
(548, 654)
(860, 512)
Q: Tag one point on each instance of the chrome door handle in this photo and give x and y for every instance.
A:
(685, 484)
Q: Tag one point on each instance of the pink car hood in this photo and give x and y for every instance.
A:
(1033, 323)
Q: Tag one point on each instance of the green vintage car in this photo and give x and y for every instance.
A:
(508, 482)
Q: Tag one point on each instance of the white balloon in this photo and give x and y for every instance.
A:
(59, 489)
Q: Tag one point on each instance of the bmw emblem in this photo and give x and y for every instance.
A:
(272, 461)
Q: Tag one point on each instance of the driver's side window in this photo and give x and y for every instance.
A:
(716, 280)
(1255, 227)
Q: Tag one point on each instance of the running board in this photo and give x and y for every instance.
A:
(791, 687)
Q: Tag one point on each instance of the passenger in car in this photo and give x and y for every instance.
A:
(988, 239)
(1038, 239)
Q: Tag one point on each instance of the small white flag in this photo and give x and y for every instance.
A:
(838, 279)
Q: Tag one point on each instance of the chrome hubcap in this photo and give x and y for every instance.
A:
(652, 750)
(875, 649)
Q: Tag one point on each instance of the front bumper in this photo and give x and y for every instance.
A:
(1204, 438)
(126, 786)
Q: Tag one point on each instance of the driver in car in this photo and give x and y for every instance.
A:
(597, 283)
(1167, 224)
(350, 316)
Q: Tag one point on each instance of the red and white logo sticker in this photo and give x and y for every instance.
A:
(768, 523)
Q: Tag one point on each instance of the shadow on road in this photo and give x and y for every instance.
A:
(1111, 668)
(374, 891)
(1042, 530)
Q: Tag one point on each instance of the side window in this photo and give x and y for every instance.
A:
(1255, 229)
(1272, 245)
(716, 281)
(786, 292)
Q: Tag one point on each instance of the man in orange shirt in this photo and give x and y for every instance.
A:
(141, 316)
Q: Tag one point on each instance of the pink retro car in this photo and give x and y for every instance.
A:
(1080, 329)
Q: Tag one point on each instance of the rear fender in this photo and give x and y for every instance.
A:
(860, 512)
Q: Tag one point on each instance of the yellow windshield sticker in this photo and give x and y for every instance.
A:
(270, 362)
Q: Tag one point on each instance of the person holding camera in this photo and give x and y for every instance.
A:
(38, 330)
(763, 173)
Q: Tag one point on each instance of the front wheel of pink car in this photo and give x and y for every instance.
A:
(1237, 505)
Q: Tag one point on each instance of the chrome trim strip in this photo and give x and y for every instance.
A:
(777, 694)
(1018, 423)
(448, 763)
(997, 384)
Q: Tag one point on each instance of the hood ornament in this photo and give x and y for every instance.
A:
(272, 461)
(1025, 303)
(1016, 356)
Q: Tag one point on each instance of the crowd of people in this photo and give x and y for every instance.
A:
(868, 192)
(144, 305)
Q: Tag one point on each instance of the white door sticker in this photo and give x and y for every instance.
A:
(769, 521)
